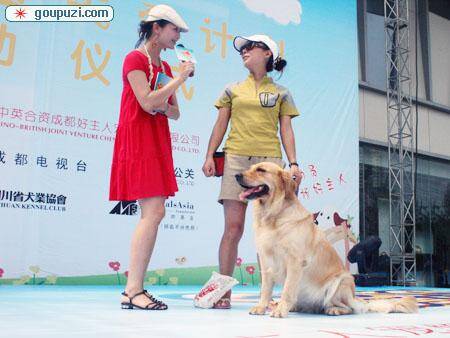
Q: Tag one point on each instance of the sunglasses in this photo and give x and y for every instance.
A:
(252, 44)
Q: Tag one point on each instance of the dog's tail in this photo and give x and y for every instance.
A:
(406, 304)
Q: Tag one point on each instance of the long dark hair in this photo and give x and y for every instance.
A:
(145, 30)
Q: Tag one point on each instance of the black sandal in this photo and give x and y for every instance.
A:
(154, 305)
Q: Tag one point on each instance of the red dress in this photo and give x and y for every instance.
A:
(142, 164)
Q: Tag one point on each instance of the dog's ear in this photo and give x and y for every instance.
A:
(288, 184)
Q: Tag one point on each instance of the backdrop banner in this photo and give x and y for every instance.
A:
(60, 89)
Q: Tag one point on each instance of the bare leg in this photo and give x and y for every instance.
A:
(234, 212)
(142, 244)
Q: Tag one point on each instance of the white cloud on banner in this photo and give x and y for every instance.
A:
(282, 11)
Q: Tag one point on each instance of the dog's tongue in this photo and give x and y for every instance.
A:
(243, 195)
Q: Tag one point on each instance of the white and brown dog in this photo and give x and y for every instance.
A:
(295, 253)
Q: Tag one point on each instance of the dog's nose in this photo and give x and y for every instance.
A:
(238, 177)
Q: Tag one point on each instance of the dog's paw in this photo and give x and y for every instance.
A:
(337, 311)
(280, 312)
(258, 310)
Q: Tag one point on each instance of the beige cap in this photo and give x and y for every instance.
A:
(240, 41)
(164, 12)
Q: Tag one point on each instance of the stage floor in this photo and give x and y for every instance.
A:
(94, 311)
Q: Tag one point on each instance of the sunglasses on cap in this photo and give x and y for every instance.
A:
(253, 44)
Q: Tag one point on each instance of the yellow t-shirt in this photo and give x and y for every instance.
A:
(255, 115)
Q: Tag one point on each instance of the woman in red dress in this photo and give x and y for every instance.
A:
(142, 165)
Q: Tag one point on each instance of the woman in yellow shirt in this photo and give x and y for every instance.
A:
(255, 108)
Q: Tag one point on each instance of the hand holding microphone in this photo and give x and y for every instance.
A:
(187, 69)
(187, 59)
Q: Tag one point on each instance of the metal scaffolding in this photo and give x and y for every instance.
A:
(400, 140)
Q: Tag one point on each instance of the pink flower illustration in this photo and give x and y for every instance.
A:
(250, 269)
(1, 272)
(238, 264)
(115, 266)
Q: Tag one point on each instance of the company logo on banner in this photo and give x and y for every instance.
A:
(125, 208)
(185, 176)
(59, 163)
(185, 143)
(32, 201)
(180, 216)
(32, 121)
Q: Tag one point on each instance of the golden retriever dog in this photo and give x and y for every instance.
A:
(294, 252)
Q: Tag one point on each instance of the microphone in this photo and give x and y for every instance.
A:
(184, 54)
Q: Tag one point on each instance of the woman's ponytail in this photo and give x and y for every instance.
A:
(278, 65)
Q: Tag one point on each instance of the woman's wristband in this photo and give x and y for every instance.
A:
(293, 163)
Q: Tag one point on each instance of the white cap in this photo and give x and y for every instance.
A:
(240, 41)
(164, 12)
